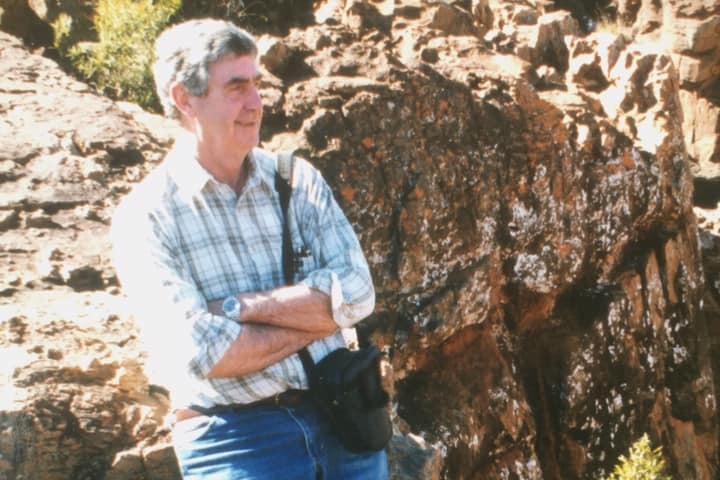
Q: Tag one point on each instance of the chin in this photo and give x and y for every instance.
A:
(246, 137)
(244, 146)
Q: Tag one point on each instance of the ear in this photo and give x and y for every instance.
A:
(181, 98)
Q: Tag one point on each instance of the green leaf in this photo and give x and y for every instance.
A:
(120, 62)
(642, 463)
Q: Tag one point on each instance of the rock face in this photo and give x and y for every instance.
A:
(73, 389)
(20, 19)
(691, 31)
(524, 196)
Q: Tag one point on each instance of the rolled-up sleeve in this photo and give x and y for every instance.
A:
(179, 332)
(343, 271)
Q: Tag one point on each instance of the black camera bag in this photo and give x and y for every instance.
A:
(346, 384)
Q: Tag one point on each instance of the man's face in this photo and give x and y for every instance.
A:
(228, 118)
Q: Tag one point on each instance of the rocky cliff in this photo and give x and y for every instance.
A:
(524, 194)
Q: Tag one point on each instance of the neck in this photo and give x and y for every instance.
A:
(228, 167)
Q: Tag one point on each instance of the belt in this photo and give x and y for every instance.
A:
(288, 398)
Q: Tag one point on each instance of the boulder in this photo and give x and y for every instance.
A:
(78, 397)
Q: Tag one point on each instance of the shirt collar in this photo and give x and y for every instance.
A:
(184, 167)
(191, 177)
(263, 168)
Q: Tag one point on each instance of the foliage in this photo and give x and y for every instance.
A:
(616, 25)
(233, 10)
(643, 463)
(120, 63)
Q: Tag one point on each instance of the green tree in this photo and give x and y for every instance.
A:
(643, 463)
(119, 64)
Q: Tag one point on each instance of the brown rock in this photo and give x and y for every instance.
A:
(544, 44)
(9, 219)
(690, 36)
(593, 58)
(483, 15)
(689, 31)
(365, 15)
(411, 458)
(452, 20)
(79, 12)
(19, 19)
(701, 125)
(275, 55)
(160, 462)
(126, 465)
(697, 71)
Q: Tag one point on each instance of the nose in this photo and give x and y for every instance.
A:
(254, 100)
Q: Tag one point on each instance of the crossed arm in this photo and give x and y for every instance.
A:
(164, 279)
(276, 324)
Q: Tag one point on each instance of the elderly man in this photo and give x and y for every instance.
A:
(198, 250)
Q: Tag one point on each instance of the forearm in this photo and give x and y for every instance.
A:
(257, 347)
(296, 307)
(275, 324)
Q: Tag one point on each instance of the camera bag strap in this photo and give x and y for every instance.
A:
(283, 185)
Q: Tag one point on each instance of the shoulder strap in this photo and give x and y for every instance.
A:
(308, 365)
(283, 185)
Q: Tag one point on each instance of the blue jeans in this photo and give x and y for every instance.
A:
(270, 443)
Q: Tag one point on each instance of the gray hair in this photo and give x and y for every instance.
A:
(184, 53)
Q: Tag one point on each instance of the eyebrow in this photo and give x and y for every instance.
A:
(234, 81)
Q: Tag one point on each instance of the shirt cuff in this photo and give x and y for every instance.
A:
(329, 283)
(220, 333)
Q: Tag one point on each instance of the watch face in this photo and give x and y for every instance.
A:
(231, 307)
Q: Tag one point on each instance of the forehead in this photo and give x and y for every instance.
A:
(233, 67)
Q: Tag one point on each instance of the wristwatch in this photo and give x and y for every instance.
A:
(231, 308)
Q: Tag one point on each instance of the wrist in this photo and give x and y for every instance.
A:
(232, 308)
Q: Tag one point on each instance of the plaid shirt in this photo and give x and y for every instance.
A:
(181, 239)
